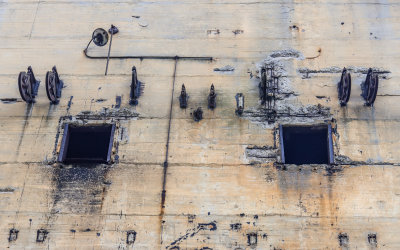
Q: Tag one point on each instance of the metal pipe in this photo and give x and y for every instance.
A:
(85, 51)
(200, 58)
(109, 50)
(165, 165)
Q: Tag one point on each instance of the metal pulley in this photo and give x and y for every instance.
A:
(28, 85)
(53, 85)
(344, 87)
(370, 88)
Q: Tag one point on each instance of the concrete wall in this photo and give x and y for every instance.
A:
(223, 185)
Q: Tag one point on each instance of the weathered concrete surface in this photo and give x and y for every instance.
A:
(224, 187)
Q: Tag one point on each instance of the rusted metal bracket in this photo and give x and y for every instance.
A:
(53, 85)
(370, 88)
(263, 86)
(13, 235)
(41, 235)
(130, 237)
(212, 102)
(344, 87)
(28, 85)
(183, 98)
(268, 88)
(239, 103)
(136, 88)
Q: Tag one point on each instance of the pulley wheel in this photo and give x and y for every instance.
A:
(25, 87)
(51, 86)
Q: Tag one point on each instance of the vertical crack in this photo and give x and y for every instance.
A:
(34, 19)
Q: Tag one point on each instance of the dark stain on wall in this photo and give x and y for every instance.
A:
(236, 227)
(372, 240)
(343, 240)
(79, 188)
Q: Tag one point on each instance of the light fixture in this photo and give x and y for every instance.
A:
(100, 38)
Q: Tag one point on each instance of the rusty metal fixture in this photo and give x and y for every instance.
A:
(130, 237)
(263, 86)
(113, 30)
(239, 103)
(136, 88)
(183, 98)
(268, 88)
(41, 235)
(198, 114)
(13, 235)
(212, 103)
(53, 85)
(28, 85)
(370, 88)
(344, 87)
(271, 116)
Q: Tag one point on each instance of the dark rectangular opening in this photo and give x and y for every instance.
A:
(87, 144)
(306, 144)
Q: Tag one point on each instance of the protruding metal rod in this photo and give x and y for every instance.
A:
(109, 50)
(113, 30)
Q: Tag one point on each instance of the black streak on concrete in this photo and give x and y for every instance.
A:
(79, 189)
(236, 227)
(212, 226)
(28, 112)
(10, 100)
